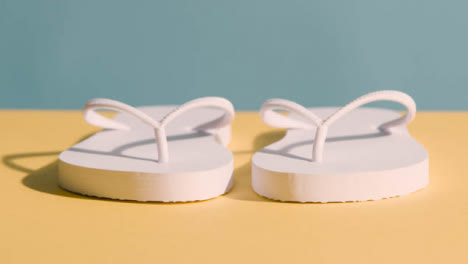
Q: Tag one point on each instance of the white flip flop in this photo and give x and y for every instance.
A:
(177, 159)
(340, 154)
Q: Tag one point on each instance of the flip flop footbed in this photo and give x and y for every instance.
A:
(123, 164)
(360, 161)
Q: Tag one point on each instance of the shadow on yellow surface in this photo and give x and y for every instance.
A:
(45, 179)
(242, 189)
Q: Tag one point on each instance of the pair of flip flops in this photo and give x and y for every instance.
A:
(178, 153)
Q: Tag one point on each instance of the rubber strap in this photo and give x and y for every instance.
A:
(278, 120)
(94, 118)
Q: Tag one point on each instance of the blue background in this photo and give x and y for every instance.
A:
(58, 54)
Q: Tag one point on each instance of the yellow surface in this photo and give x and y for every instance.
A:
(41, 223)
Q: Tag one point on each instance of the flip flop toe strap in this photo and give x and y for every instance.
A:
(96, 119)
(311, 120)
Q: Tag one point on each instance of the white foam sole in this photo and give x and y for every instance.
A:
(123, 165)
(360, 162)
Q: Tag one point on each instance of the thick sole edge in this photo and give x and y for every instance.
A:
(146, 187)
(353, 187)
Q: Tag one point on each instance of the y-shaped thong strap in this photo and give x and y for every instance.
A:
(278, 120)
(94, 118)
